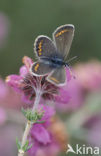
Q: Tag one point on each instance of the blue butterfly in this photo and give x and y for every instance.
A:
(52, 55)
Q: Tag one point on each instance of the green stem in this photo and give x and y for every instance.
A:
(29, 124)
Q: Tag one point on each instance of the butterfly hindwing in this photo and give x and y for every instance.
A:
(58, 76)
(39, 69)
(44, 46)
(63, 37)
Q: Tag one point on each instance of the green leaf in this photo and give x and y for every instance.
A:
(18, 143)
(33, 117)
(25, 146)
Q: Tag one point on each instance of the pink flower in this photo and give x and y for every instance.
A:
(39, 132)
(43, 136)
(70, 96)
(28, 85)
(87, 79)
(15, 81)
(9, 98)
(89, 75)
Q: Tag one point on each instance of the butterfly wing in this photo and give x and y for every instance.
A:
(40, 68)
(58, 76)
(44, 46)
(63, 37)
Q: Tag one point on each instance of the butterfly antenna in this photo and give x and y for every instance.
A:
(71, 59)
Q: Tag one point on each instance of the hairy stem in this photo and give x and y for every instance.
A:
(29, 124)
(37, 100)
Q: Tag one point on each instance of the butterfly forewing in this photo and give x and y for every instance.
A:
(44, 46)
(58, 76)
(63, 37)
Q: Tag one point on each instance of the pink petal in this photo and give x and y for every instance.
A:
(14, 81)
(68, 74)
(40, 133)
(23, 71)
(63, 96)
(49, 111)
(27, 61)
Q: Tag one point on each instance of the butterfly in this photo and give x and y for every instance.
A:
(52, 54)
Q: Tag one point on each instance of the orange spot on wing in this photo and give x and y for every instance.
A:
(40, 48)
(61, 32)
(36, 67)
(54, 79)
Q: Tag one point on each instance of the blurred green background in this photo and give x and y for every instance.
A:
(28, 19)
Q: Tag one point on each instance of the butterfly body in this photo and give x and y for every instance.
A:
(52, 54)
(54, 61)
